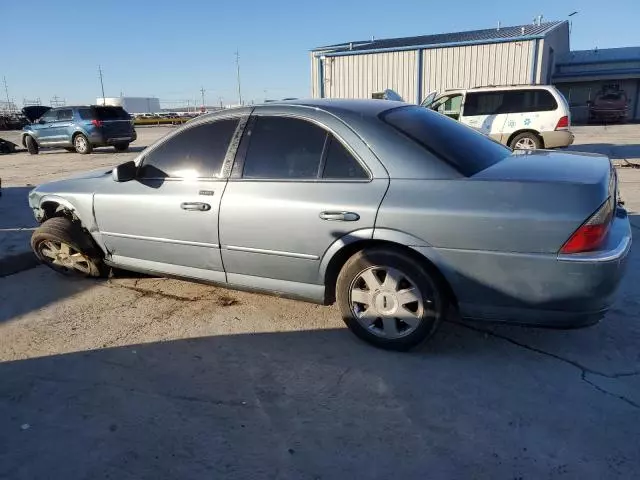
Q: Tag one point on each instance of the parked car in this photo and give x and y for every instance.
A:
(522, 117)
(77, 128)
(609, 105)
(395, 212)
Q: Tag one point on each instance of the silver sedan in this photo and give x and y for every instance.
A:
(395, 212)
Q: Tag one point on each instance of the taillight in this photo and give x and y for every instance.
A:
(593, 232)
(563, 122)
(97, 123)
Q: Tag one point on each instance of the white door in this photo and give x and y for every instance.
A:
(483, 111)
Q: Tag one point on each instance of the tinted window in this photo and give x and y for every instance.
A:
(85, 113)
(483, 103)
(50, 116)
(281, 147)
(521, 101)
(66, 114)
(196, 152)
(340, 163)
(111, 113)
(465, 149)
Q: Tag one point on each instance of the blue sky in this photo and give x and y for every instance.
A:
(170, 49)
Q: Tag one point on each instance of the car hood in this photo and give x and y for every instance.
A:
(34, 112)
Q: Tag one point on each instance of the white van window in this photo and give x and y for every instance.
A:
(448, 105)
(509, 101)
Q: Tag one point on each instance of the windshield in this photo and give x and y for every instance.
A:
(462, 147)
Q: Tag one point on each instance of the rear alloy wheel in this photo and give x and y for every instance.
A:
(32, 145)
(121, 147)
(526, 141)
(388, 300)
(82, 144)
(63, 246)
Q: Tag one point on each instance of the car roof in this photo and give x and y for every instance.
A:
(337, 107)
(493, 88)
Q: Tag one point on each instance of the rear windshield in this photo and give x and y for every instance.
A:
(111, 113)
(462, 147)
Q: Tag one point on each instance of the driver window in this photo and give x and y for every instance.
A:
(50, 116)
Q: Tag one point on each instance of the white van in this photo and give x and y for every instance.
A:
(522, 117)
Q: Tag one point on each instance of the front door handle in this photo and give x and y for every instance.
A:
(197, 206)
(340, 216)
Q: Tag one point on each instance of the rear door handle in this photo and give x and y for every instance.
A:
(340, 216)
(197, 206)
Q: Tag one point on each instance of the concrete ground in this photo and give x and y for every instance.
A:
(139, 377)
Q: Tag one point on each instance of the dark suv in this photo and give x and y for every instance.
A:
(78, 128)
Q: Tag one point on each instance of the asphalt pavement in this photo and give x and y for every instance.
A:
(147, 378)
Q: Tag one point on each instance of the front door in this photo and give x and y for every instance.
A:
(295, 189)
(166, 220)
(45, 127)
(449, 105)
(61, 127)
(484, 112)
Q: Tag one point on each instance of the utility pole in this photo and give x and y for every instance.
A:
(220, 98)
(202, 90)
(104, 102)
(238, 68)
(6, 91)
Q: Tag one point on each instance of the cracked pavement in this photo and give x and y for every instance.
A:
(146, 378)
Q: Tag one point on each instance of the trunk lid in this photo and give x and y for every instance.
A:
(116, 122)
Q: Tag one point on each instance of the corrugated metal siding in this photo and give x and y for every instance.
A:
(358, 76)
(476, 65)
(314, 77)
(558, 39)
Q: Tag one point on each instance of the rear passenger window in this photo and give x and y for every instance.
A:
(340, 164)
(197, 152)
(522, 101)
(483, 103)
(283, 148)
(85, 113)
(64, 115)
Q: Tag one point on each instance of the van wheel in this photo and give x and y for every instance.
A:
(81, 144)
(63, 246)
(32, 145)
(526, 141)
(387, 299)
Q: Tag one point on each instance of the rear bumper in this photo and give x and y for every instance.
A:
(557, 138)
(97, 138)
(539, 289)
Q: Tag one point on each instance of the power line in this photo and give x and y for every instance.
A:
(238, 68)
(104, 101)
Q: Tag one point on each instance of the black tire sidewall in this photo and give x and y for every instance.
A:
(532, 136)
(31, 144)
(121, 147)
(60, 229)
(425, 280)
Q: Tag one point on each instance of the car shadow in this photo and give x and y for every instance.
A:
(613, 151)
(97, 150)
(306, 404)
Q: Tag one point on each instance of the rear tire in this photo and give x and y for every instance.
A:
(31, 144)
(82, 144)
(121, 147)
(63, 246)
(389, 300)
(526, 141)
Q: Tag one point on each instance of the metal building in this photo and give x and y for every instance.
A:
(415, 66)
(585, 75)
(132, 104)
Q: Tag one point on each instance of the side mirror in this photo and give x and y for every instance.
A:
(124, 172)
(42, 122)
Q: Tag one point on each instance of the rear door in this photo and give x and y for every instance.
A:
(483, 111)
(297, 186)
(116, 122)
(533, 109)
